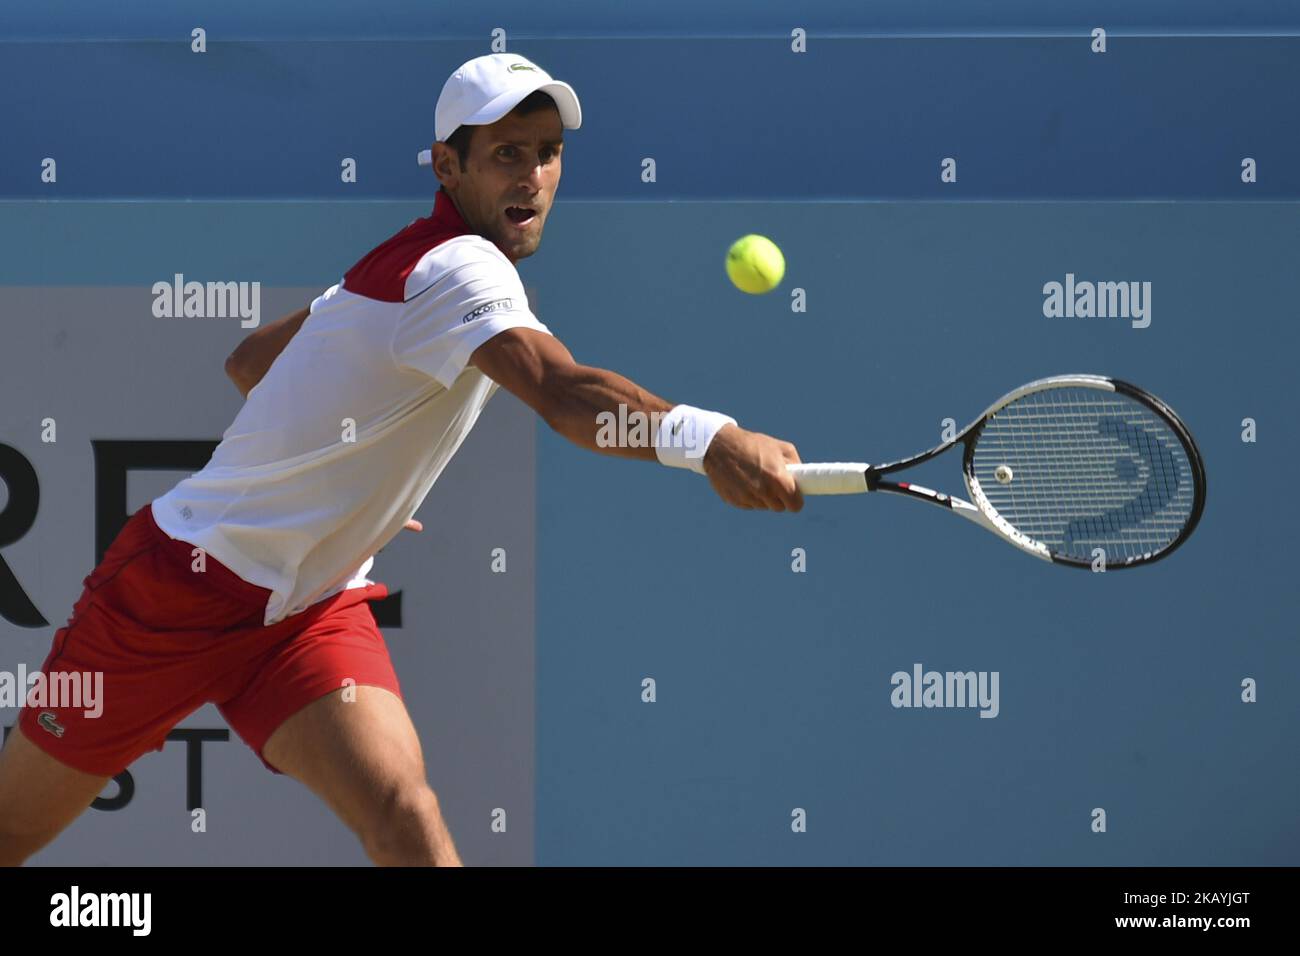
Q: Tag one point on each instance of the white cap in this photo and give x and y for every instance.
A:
(486, 88)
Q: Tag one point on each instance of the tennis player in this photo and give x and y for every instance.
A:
(246, 584)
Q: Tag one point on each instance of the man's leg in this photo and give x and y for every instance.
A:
(40, 794)
(363, 759)
(39, 797)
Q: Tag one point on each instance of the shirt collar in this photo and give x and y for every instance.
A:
(446, 215)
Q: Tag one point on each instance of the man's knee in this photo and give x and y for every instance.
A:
(20, 838)
(39, 797)
(407, 829)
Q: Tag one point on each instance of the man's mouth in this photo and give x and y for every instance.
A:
(521, 215)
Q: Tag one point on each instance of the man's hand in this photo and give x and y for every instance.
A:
(747, 469)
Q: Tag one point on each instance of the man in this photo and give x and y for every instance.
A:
(245, 585)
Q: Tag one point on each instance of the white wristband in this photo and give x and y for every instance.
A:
(684, 435)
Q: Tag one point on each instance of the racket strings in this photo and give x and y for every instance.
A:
(1080, 468)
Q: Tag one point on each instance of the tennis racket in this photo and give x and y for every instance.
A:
(1060, 467)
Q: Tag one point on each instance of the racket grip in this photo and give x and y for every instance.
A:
(831, 477)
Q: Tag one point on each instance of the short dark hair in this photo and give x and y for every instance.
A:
(460, 139)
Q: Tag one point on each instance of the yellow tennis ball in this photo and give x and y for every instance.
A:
(755, 264)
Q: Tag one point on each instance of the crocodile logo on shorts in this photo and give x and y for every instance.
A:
(46, 720)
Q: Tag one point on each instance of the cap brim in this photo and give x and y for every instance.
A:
(566, 100)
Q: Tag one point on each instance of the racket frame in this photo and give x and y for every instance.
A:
(982, 513)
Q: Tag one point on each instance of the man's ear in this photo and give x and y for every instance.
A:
(446, 163)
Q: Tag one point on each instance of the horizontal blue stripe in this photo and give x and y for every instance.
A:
(419, 18)
(1030, 118)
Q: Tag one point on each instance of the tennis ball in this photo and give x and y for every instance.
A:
(755, 264)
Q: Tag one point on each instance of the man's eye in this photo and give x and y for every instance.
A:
(547, 153)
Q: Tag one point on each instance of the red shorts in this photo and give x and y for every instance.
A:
(168, 639)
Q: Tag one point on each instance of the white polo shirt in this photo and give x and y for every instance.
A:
(337, 446)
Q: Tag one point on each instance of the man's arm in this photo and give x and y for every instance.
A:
(747, 469)
(252, 357)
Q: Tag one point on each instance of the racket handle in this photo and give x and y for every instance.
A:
(831, 477)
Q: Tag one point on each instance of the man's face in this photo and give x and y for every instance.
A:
(513, 165)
